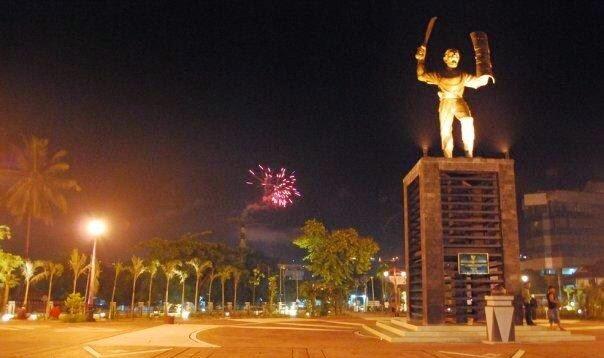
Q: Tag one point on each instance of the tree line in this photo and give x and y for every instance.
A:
(37, 187)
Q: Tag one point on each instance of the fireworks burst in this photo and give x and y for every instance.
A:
(279, 187)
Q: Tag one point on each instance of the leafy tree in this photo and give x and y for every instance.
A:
(74, 304)
(153, 266)
(50, 270)
(39, 184)
(9, 281)
(5, 233)
(138, 268)
(199, 266)
(272, 291)
(28, 270)
(224, 273)
(170, 269)
(8, 264)
(336, 257)
(77, 264)
(255, 279)
(311, 290)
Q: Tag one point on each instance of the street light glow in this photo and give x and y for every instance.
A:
(524, 278)
(96, 227)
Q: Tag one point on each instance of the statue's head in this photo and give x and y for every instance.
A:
(451, 58)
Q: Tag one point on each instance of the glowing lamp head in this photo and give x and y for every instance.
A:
(386, 273)
(96, 227)
(524, 278)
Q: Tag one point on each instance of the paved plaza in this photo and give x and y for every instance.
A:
(218, 338)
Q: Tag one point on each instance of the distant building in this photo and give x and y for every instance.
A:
(564, 229)
(591, 274)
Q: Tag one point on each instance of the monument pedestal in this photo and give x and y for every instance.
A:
(500, 319)
(461, 237)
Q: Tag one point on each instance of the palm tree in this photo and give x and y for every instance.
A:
(152, 268)
(50, 270)
(118, 267)
(170, 268)
(77, 264)
(255, 279)
(236, 272)
(213, 275)
(138, 268)
(97, 274)
(224, 273)
(183, 275)
(38, 185)
(199, 267)
(28, 270)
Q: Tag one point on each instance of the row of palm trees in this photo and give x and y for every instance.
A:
(40, 270)
(178, 269)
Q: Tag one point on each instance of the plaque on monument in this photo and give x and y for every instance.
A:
(473, 263)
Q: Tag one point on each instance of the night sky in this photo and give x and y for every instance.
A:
(163, 108)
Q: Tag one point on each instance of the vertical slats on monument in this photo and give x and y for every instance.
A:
(471, 223)
(415, 252)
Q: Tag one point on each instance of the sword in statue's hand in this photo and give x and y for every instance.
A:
(421, 51)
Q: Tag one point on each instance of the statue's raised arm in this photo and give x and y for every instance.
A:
(422, 74)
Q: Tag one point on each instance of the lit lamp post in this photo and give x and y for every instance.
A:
(95, 228)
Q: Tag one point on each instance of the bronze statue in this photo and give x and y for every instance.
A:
(451, 83)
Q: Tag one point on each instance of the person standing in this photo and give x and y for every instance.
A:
(552, 308)
(526, 300)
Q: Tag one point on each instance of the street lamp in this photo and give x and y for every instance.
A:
(524, 278)
(95, 228)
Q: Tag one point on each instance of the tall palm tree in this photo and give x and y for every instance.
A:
(77, 264)
(97, 274)
(182, 275)
(39, 184)
(49, 271)
(28, 270)
(118, 267)
(153, 266)
(170, 268)
(199, 267)
(138, 268)
(224, 273)
(255, 279)
(236, 273)
(213, 275)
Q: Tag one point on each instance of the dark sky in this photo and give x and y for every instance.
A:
(164, 108)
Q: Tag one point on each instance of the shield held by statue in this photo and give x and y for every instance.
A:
(482, 54)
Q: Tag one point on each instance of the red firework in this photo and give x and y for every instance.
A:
(279, 187)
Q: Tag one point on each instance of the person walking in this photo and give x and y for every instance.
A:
(526, 300)
(552, 308)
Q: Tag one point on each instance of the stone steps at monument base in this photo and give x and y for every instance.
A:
(396, 333)
(554, 338)
(437, 328)
(407, 333)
